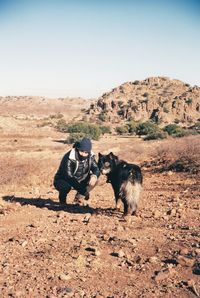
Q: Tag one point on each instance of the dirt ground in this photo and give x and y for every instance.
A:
(92, 250)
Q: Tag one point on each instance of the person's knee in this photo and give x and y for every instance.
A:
(62, 185)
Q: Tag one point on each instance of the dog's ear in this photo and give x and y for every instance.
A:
(112, 156)
(100, 155)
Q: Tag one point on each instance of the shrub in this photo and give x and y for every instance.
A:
(62, 125)
(122, 130)
(146, 128)
(189, 101)
(160, 134)
(56, 116)
(102, 117)
(173, 129)
(132, 126)
(196, 127)
(45, 123)
(92, 131)
(74, 137)
(136, 82)
(105, 129)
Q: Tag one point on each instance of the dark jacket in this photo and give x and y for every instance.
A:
(74, 171)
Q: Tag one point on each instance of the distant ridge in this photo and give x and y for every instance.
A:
(161, 99)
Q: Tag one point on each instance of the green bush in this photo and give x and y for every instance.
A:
(146, 128)
(189, 101)
(102, 117)
(122, 130)
(196, 127)
(105, 129)
(92, 131)
(173, 129)
(157, 135)
(62, 125)
(74, 137)
(132, 126)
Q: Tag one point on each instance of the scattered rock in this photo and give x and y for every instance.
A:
(87, 218)
(184, 251)
(24, 243)
(157, 214)
(165, 274)
(120, 254)
(64, 277)
(153, 259)
(184, 261)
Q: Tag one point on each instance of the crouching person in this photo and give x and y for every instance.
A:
(78, 170)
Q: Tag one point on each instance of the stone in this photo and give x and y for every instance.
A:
(120, 254)
(24, 243)
(97, 252)
(153, 259)
(186, 262)
(157, 214)
(184, 251)
(165, 274)
(64, 277)
(87, 217)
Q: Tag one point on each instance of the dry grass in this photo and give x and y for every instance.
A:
(22, 173)
(178, 154)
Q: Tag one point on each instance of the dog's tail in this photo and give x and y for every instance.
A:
(130, 192)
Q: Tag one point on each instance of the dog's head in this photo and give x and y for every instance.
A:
(106, 163)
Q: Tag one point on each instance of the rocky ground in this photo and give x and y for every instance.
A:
(93, 251)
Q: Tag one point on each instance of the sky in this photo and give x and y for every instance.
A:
(83, 48)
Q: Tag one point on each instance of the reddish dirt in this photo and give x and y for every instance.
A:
(93, 251)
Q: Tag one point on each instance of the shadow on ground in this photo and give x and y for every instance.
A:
(55, 206)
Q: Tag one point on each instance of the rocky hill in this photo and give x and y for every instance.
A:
(161, 99)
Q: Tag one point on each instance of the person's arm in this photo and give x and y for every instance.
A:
(94, 168)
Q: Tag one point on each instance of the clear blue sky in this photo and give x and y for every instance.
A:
(61, 48)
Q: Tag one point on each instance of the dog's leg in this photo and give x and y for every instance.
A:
(133, 208)
(117, 200)
(126, 207)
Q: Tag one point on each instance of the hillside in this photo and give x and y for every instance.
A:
(92, 250)
(158, 98)
(19, 113)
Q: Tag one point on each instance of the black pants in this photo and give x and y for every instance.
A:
(64, 188)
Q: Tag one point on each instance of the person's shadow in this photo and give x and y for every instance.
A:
(55, 206)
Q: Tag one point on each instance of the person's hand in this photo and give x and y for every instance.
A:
(93, 180)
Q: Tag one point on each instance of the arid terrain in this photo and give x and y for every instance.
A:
(92, 250)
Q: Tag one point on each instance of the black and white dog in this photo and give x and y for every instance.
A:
(125, 178)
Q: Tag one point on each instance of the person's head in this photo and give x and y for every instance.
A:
(84, 147)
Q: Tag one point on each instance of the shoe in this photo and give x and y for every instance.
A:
(78, 198)
(87, 197)
(62, 199)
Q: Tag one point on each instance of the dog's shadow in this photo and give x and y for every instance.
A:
(55, 206)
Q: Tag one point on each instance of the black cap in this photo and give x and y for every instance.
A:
(84, 145)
